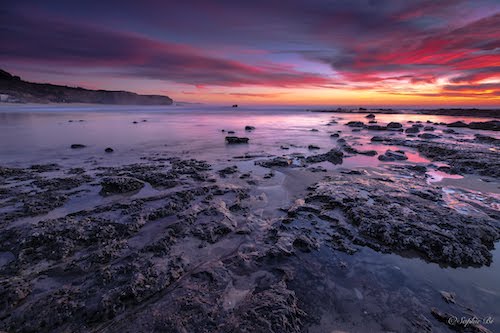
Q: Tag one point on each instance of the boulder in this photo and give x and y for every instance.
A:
(355, 124)
(413, 129)
(116, 185)
(391, 155)
(334, 156)
(376, 127)
(274, 162)
(77, 146)
(486, 139)
(428, 136)
(236, 140)
(457, 124)
(394, 125)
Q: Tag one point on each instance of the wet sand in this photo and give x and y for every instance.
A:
(312, 226)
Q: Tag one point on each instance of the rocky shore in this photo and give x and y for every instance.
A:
(456, 112)
(177, 244)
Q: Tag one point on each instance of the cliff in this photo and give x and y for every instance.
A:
(15, 90)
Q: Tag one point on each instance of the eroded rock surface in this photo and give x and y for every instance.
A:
(401, 216)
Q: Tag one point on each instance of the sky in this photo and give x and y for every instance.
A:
(308, 52)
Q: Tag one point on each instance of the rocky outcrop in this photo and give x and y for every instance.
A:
(402, 216)
(334, 156)
(236, 140)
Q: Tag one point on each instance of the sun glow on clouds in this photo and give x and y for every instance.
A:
(344, 53)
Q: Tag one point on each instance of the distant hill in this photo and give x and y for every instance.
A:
(15, 90)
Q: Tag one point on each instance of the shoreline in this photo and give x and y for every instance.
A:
(245, 237)
(473, 112)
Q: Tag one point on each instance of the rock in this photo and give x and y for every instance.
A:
(314, 130)
(334, 135)
(235, 105)
(269, 175)
(376, 127)
(397, 215)
(448, 297)
(385, 158)
(77, 146)
(305, 243)
(144, 120)
(317, 169)
(428, 136)
(355, 124)
(377, 139)
(134, 122)
(394, 125)
(466, 157)
(312, 147)
(351, 150)
(44, 167)
(249, 128)
(109, 150)
(370, 116)
(228, 171)
(457, 124)
(230, 132)
(429, 128)
(117, 185)
(334, 156)
(445, 168)
(493, 125)
(412, 129)
(390, 155)
(486, 139)
(284, 147)
(449, 131)
(367, 152)
(372, 122)
(274, 162)
(236, 140)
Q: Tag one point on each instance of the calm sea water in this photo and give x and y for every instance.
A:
(30, 134)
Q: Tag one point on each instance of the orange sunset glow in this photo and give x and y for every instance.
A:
(341, 53)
